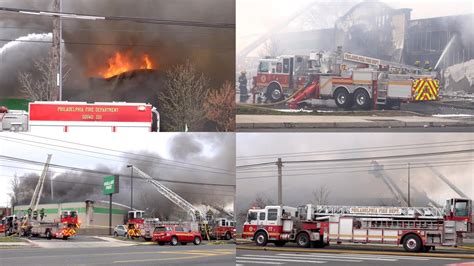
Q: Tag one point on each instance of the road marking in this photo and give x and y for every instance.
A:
(362, 257)
(256, 262)
(295, 256)
(277, 259)
(135, 261)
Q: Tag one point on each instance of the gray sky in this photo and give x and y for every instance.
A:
(210, 150)
(350, 182)
(256, 17)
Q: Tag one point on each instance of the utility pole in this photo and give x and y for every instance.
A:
(55, 53)
(408, 197)
(280, 194)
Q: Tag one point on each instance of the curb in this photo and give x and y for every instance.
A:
(301, 250)
(379, 124)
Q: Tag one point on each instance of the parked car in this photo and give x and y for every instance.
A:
(175, 235)
(120, 230)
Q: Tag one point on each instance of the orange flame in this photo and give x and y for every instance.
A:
(122, 62)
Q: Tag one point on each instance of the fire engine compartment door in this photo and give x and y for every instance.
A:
(400, 89)
(287, 225)
(325, 86)
(345, 228)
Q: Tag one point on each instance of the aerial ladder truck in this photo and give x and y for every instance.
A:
(415, 228)
(140, 226)
(32, 224)
(351, 80)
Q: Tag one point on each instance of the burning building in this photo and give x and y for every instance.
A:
(119, 60)
(377, 30)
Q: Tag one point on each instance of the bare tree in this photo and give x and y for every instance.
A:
(321, 195)
(15, 191)
(39, 85)
(220, 107)
(182, 103)
(271, 48)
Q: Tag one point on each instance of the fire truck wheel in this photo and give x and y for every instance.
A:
(174, 241)
(197, 241)
(228, 236)
(412, 243)
(303, 240)
(362, 99)
(274, 93)
(280, 243)
(49, 235)
(342, 98)
(261, 239)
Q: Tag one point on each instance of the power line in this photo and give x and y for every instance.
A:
(187, 23)
(107, 173)
(108, 44)
(221, 170)
(350, 171)
(366, 149)
(361, 158)
(361, 166)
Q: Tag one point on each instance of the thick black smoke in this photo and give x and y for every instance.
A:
(89, 44)
(188, 148)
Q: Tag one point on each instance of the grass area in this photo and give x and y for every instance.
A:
(11, 239)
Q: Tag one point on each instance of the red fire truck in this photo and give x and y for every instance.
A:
(64, 228)
(53, 117)
(416, 228)
(220, 228)
(351, 80)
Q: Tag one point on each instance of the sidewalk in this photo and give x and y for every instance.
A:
(308, 121)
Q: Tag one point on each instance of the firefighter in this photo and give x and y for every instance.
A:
(42, 214)
(427, 65)
(243, 87)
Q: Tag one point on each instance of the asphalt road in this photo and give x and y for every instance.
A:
(132, 255)
(252, 257)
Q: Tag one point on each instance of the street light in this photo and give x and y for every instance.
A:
(131, 185)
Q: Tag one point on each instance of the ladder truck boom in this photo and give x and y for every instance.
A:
(39, 186)
(172, 196)
(374, 212)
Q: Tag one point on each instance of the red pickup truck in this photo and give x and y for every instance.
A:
(175, 235)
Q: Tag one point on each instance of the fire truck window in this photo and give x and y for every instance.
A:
(279, 67)
(263, 67)
(461, 208)
(286, 65)
(272, 214)
(252, 216)
(261, 216)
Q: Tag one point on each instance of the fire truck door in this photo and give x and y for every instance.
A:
(272, 216)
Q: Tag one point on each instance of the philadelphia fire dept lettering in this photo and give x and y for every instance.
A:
(357, 210)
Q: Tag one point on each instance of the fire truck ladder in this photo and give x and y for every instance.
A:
(172, 196)
(39, 186)
(379, 212)
(445, 180)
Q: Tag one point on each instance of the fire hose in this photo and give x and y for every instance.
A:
(274, 103)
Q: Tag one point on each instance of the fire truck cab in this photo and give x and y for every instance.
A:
(267, 224)
(279, 77)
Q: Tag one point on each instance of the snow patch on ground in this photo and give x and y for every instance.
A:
(453, 115)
